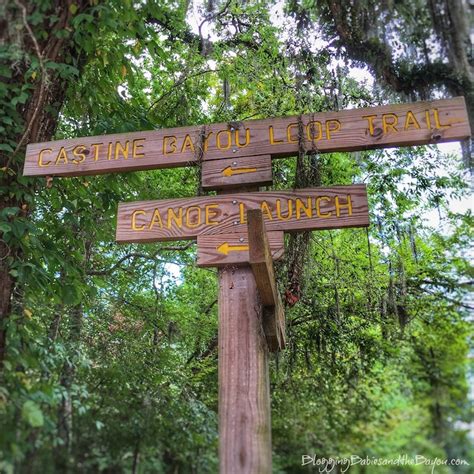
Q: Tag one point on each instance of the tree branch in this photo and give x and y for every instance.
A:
(180, 82)
(136, 255)
(44, 78)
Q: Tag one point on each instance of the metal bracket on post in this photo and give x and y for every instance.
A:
(261, 261)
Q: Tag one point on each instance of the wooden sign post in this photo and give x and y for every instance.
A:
(244, 388)
(241, 233)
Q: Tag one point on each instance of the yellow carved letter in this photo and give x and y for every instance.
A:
(78, 153)
(273, 141)
(266, 209)
(210, 213)
(169, 145)
(218, 140)
(337, 127)
(438, 124)
(134, 220)
(318, 207)
(119, 148)
(156, 219)
(243, 218)
(187, 143)
(189, 220)
(109, 151)
(138, 148)
(289, 135)
(177, 218)
(348, 204)
(290, 210)
(96, 150)
(389, 126)
(310, 130)
(247, 138)
(307, 209)
(428, 119)
(206, 141)
(410, 120)
(370, 121)
(42, 163)
(62, 156)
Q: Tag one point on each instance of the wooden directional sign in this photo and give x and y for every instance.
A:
(231, 155)
(302, 209)
(232, 249)
(230, 172)
(377, 127)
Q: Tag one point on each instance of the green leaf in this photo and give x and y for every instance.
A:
(9, 211)
(5, 227)
(6, 147)
(32, 414)
(70, 294)
(20, 99)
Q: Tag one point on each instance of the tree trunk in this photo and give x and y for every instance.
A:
(136, 458)
(32, 119)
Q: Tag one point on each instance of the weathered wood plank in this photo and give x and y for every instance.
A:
(233, 172)
(233, 249)
(302, 209)
(357, 129)
(244, 389)
(260, 260)
(274, 326)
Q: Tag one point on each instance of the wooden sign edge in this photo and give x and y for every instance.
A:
(31, 168)
(363, 221)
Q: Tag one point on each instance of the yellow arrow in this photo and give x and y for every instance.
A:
(229, 171)
(225, 248)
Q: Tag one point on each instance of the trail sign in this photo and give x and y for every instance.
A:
(302, 209)
(238, 154)
(357, 129)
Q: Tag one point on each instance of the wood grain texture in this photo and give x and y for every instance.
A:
(260, 258)
(326, 208)
(234, 172)
(262, 266)
(274, 326)
(357, 129)
(221, 250)
(244, 391)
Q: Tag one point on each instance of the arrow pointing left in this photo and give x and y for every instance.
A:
(225, 248)
(229, 171)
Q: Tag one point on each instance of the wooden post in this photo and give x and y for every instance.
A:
(244, 388)
(260, 259)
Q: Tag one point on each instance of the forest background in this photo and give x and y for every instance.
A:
(108, 352)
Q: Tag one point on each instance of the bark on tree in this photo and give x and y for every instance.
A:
(37, 118)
